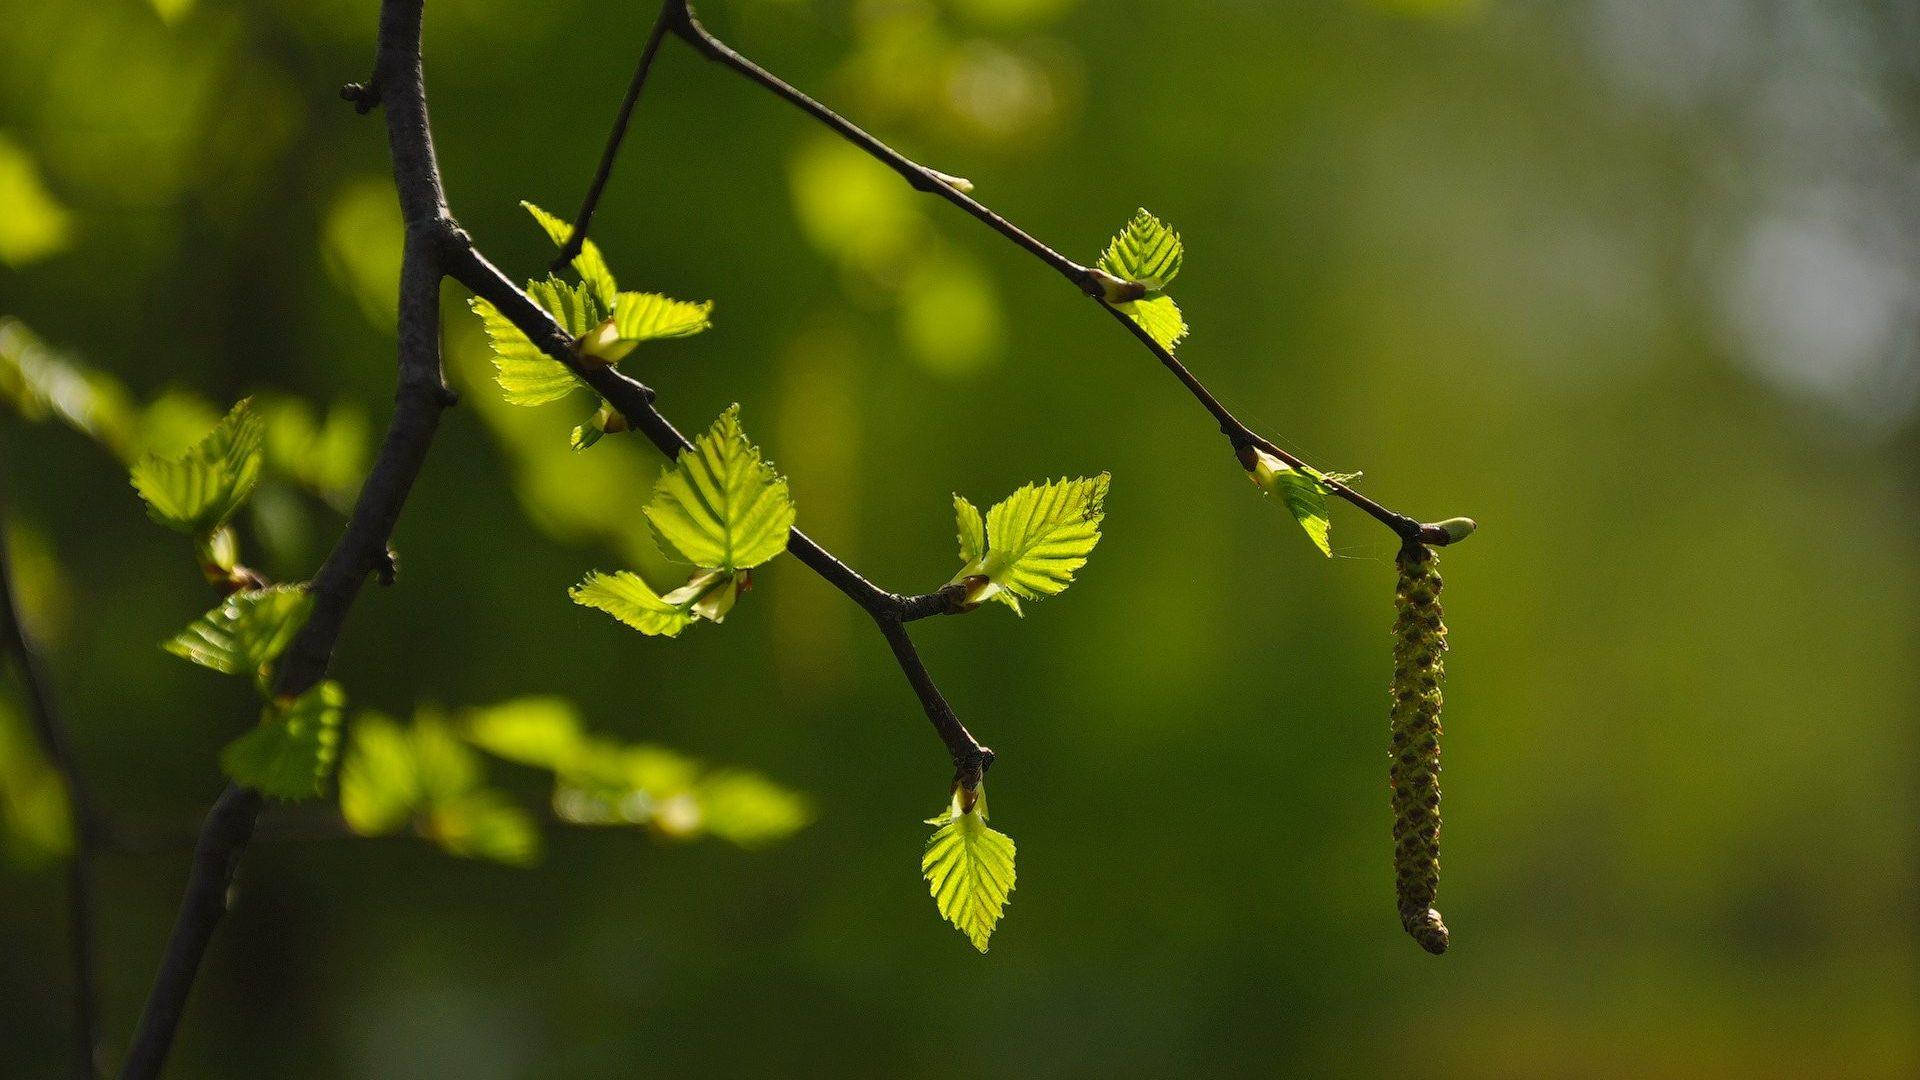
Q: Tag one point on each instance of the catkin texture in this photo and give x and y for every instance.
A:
(1419, 643)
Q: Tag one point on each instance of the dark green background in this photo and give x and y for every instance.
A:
(1632, 283)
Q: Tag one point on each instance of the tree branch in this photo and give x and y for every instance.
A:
(82, 811)
(362, 548)
(1092, 282)
(634, 400)
(583, 220)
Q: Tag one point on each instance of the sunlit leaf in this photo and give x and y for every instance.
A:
(541, 731)
(973, 532)
(969, 868)
(1035, 539)
(721, 506)
(483, 824)
(645, 316)
(590, 264)
(625, 596)
(379, 784)
(1304, 492)
(199, 491)
(1146, 251)
(326, 458)
(1160, 317)
(288, 754)
(425, 775)
(528, 376)
(34, 225)
(748, 809)
(39, 382)
(246, 632)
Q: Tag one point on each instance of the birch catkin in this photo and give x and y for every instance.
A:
(1419, 641)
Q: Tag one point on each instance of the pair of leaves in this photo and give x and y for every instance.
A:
(606, 322)
(1149, 254)
(287, 756)
(968, 866)
(601, 782)
(720, 508)
(197, 492)
(1305, 492)
(426, 776)
(1030, 543)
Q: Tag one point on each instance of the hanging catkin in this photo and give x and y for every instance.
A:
(1419, 640)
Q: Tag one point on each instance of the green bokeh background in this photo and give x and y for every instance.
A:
(1633, 283)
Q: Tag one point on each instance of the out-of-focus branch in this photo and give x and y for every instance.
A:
(16, 638)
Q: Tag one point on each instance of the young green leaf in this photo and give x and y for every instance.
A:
(625, 596)
(747, 809)
(969, 867)
(721, 506)
(1304, 491)
(644, 316)
(288, 754)
(1034, 539)
(528, 376)
(197, 492)
(538, 731)
(590, 264)
(425, 775)
(973, 533)
(1160, 317)
(482, 824)
(246, 632)
(379, 785)
(1146, 251)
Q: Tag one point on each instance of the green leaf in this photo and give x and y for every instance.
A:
(973, 534)
(197, 492)
(482, 824)
(644, 316)
(1160, 317)
(748, 809)
(1037, 537)
(379, 785)
(590, 264)
(539, 731)
(969, 868)
(528, 376)
(721, 506)
(1305, 493)
(626, 597)
(246, 632)
(36, 820)
(288, 754)
(1146, 251)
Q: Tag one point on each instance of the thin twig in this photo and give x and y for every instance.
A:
(634, 401)
(583, 220)
(82, 812)
(689, 29)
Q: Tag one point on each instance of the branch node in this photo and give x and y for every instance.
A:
(971, 770)
(387, 565)
(364, 96)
